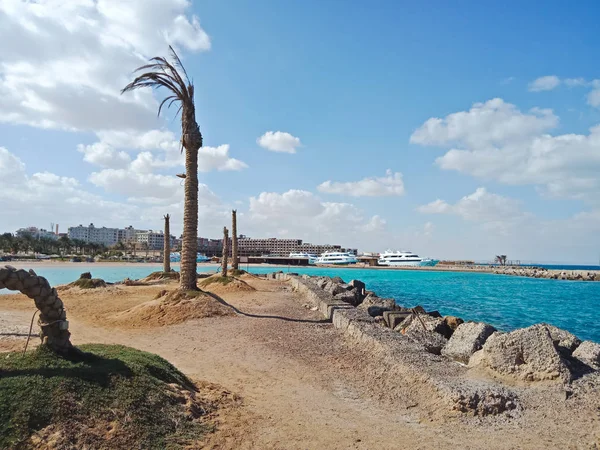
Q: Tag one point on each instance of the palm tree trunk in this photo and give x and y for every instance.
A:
(167, 246)
(191, 140)
(225, 252)
(234, 242)
(53, 317)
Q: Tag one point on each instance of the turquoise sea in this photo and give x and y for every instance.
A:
(504, 301)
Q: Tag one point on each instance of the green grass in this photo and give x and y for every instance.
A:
(110, 387)
(86, 283)
(222, 280)
(237, 273)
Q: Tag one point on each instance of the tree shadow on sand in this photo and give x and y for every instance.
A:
(263, 316)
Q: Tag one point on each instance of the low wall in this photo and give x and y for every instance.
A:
(437, 380)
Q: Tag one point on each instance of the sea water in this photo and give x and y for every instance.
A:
(507, 302)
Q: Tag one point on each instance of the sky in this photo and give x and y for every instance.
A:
(457, 130)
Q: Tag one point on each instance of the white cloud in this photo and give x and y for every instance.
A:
(279, 141)
(574, 82)
(303, 215)
(376, 223)
(144, 209)
(68, 60)
(493, 211)
(485, 124)
(513, 148)
(103, 155)
(593, 97)
(546, 83)
(389, 185)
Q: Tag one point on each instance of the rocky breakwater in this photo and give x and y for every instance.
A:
(470, 366)
(549, 274)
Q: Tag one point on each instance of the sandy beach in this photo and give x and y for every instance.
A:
(302, 383)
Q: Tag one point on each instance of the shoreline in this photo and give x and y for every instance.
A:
(523, 271)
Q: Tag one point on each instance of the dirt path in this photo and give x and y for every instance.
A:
(303, 386)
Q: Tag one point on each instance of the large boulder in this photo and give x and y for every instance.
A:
(352, 297)
(359, 286)
(425, 330)
(527, 354)
(453, 322)
(376, 306)
(468, 338)
(337, 280)
(565, 341)
(334, 288)
(588, 352)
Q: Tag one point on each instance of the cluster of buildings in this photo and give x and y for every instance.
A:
(154, 240)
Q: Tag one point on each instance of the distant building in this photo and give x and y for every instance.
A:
(283, 247)
(154, 239)
(103, 235)
(36, 233)
(210, 247)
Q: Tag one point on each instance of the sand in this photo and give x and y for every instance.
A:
(301, 383)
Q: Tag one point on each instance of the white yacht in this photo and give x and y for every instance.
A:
(336, 258)
(312, 259)
(393, 258)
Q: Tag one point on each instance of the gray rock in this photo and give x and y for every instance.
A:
(376, 306)
(334, 288)
(348, 297)
(337, 280)
(466, 340)
(526, 354)
(428, 332)
(565, 341)
(588, 352)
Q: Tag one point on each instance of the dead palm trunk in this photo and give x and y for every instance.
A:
(165, 74)
(167, 246)
(53, 317)
(225, 252)
(234, 241)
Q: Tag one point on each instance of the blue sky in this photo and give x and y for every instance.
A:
(353, 82)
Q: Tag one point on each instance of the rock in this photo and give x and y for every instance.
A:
(467, 338)
(85, 276)
(588, 352)
(359, 286)
(453, 322)
(431, 336)
(348, 297)
(567, 342)
(376, 306)
(527, 354)
(394, 318)
(434, 314)
(334, 288)
(337, 280)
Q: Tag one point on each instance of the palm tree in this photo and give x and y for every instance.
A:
(501, 259)
(163, 73)
(167, 246)
(234, 242)
(225, 251)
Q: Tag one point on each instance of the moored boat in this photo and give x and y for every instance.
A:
(338, 258)
(404, 258)
(312, 259)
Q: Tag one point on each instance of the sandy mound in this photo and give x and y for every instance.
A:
(174, 307)
(161, 276)
(219, 284)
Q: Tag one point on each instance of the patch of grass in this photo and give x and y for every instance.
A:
(162, 276)
(112, 397)
(86, 283)
(214, 279)
(237, 273)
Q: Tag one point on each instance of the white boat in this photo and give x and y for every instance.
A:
(312, 259)
(336, 258)
(394, 258)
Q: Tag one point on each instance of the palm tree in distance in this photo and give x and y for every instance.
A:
(163, 73)
(167, 245)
